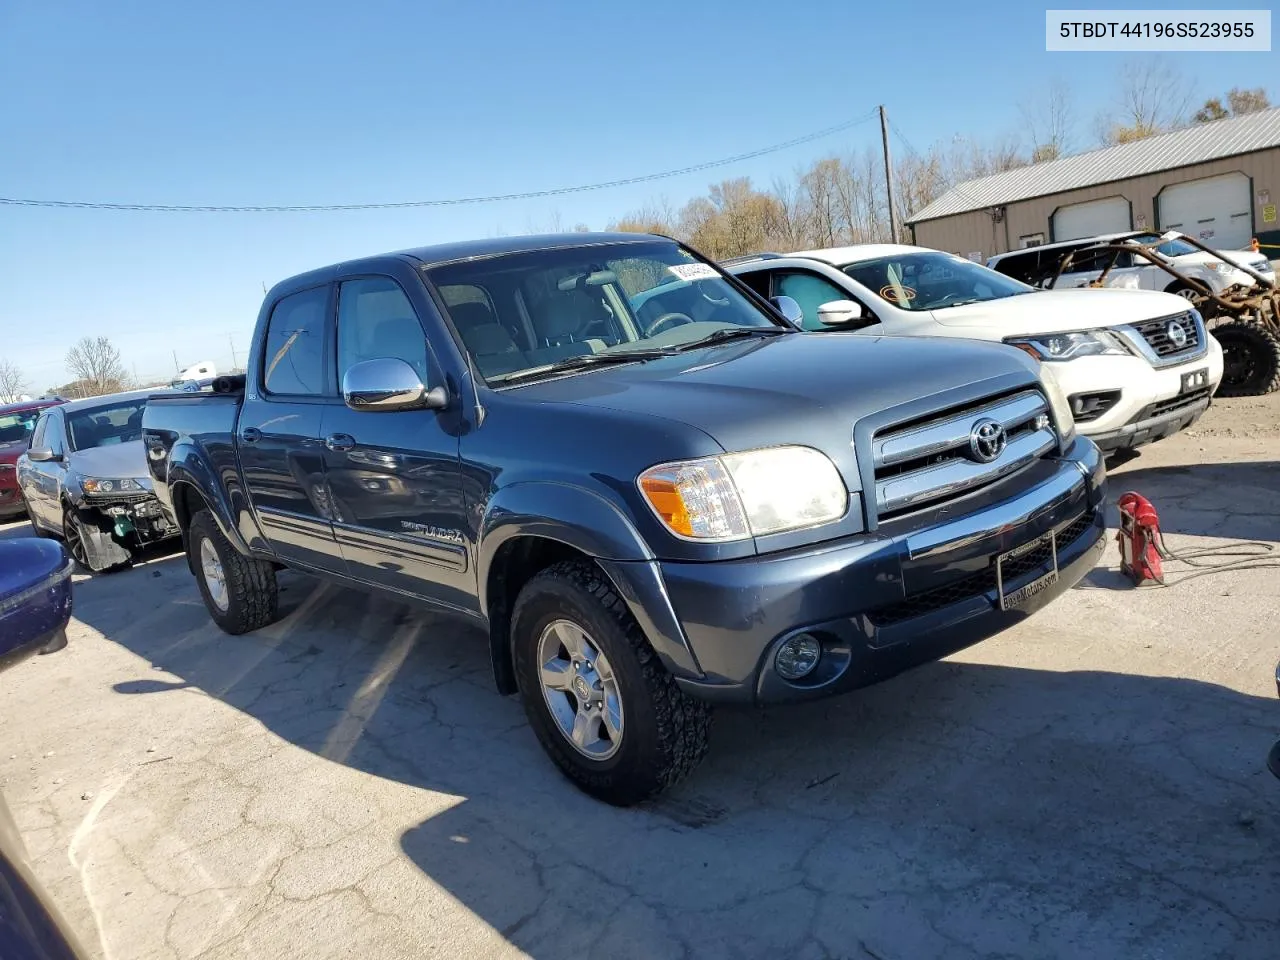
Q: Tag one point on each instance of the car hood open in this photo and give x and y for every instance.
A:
(1058, 311)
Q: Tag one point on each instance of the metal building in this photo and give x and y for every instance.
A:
(1218, 181)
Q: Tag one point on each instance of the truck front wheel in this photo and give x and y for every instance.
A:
(598, 698)
(239, 591)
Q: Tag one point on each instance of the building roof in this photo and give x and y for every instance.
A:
(1166, 151)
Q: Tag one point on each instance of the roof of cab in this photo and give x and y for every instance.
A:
(442, 253)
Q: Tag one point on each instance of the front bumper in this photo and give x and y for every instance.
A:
(1151, 404)
(884, 602)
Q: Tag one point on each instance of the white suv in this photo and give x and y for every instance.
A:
(1216, 270)
(1137, 365)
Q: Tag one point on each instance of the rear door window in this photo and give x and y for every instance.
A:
(293, 359)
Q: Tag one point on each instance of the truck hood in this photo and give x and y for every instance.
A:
(1058, 311)
(804, 388)
(113, 462)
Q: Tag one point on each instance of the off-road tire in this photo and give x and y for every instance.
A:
(665, 733)
(252, 593)
(1251, 359)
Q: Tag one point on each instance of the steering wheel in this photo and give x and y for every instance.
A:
(669, 319)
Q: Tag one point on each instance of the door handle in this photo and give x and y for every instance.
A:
(338, 442)
(250, 435)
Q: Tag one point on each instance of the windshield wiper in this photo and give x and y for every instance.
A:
(582, 363)
(731, 333)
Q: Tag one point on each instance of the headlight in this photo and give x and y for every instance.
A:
(1058, 403)
(1068, 346)
(94, 485)
(1220, 267)
(739, 495)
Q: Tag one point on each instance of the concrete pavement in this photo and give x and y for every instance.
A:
(345, 783)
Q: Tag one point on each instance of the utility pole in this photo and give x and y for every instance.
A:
(235, 364)
(176, 369)
(888, 175)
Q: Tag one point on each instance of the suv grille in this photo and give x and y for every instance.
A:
(1162, 336)
(942, 457)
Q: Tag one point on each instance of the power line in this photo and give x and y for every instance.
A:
(457, 201)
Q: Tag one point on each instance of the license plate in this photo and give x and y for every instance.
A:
(1016, 598)
(1195, 380)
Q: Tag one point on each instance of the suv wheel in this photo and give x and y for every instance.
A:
(240, 592)
(599, 700)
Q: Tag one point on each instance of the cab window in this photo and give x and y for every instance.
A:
(375, 320)
(293, 361)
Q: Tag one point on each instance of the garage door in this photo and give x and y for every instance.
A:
(1077, 220)
(1214, 210)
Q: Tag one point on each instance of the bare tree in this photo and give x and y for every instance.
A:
(1247, 101)
(96, 362)
(12, 383)
(1050, 121)
(1152, 96)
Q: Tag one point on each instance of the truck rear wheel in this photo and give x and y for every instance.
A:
(240, 592)
(1250, 360)
(598, 698)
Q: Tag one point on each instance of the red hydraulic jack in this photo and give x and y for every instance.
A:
(1143, 553)
(1139, 539)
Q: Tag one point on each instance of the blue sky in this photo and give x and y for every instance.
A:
(244, 103)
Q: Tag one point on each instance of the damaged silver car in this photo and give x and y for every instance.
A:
(85, 480)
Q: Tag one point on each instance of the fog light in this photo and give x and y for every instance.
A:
(797, 657)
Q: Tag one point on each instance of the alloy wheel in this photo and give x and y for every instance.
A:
(215, 578)
(580, 689)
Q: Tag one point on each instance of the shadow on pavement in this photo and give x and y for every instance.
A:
(960, 810)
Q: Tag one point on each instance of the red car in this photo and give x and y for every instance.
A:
(16, 423)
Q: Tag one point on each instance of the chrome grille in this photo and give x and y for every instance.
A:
(1156, 333)
(926, 462)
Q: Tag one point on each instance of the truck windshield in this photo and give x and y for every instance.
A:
(929, 280)
(106, 425)
(521, 313)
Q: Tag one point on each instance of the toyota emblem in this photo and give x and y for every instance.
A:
(987, 440)
(1177, 334)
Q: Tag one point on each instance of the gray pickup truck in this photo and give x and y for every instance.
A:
(653, 489)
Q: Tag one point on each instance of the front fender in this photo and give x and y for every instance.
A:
(574, 516)
(589, 523)
(187, 466)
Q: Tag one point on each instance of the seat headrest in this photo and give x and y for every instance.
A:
(567, 313)
(468, 315)
(396, 336)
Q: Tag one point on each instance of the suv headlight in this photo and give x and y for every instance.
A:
(1069, 346)
(1058, 403)
(94, 485)
(735, 496)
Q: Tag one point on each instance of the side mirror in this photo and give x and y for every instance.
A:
(42, 455)
(389, 384)
(789, 308)
(837, 312)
